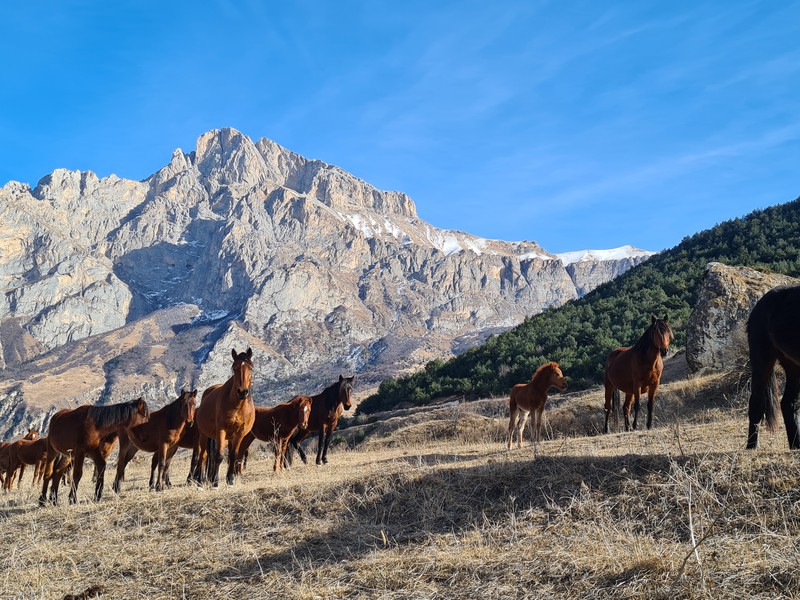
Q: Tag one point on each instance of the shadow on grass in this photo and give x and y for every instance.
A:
(398, 509)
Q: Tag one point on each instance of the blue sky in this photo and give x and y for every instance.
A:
(573, 124)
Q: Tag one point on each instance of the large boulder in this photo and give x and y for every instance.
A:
(716, 337)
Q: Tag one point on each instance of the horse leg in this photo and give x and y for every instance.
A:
(513, 415)
(77, 473)
(151, 484)
(216, 460)
(170, 453)
(626, 409)
(297, 445)
(47, 476)
(762, 393)
(126, 452)
(320, 443)
(636, 406)
(100, 470)
(789, 403)
(609, 403)
(523, 419)
(651, 403)
(161, 460)
(21, 472)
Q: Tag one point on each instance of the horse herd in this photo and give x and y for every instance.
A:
(773, 336)
(227, 418)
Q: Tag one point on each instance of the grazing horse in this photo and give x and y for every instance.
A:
(773, 335)
(86, 431)
(8, 462)
(159, 435)
(25, 452)
(636, 369)
(529, 398)
(326, 408)
(277, 424)
(225, 415)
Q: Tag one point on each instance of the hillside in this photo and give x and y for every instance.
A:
(580, 334)
(436, 508)
(116, 288)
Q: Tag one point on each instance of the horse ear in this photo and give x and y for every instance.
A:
(183, 391)
(341, 379)
(249, 353)
(234, 354)
(193, 393)
(653, 319)
(666, 318)
(352, 379)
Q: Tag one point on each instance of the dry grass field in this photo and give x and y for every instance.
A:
(429, 504)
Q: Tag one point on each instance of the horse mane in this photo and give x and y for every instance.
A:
(105, 416)
(174, 413)
(545, 367)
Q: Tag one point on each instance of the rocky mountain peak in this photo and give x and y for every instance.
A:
(136, 287)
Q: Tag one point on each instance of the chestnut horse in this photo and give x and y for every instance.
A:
(86, 431)
(9, 462)
(637, 369)
(773, 335)
(225, 415)
(277, 424)
(531, 397)
(159, 435)
(326, 408)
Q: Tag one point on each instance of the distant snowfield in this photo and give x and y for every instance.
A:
(622, 252)
(451, 242)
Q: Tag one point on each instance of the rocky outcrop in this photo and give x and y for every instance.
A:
(716, 337)
(318, 271)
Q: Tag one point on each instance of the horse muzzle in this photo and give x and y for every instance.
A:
(664, 352)
(243, 393)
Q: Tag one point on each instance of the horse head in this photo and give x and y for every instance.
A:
(557, 377)
(242, 372)
(661, 333)
(346, 391)
(188, 405)
(305, 411)
(32, 434)
(141, 414)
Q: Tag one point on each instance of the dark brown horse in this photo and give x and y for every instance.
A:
(225, 415)
(636, 370)
(326, 408)
(159, 435)
(86, 431)
(529, 398)
(9, 462)
(277, 424)
(773, 335)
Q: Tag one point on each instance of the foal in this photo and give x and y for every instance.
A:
(531, 397)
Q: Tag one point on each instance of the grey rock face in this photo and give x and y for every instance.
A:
(716, 337)
(317, 271)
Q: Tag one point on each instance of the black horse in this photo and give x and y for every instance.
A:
(773, 334)
(326, 408)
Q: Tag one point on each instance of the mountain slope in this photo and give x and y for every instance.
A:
(318, 271)
(580, 334)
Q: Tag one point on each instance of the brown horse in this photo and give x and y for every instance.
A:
(635, 370)
(86, 431)
(159, 435)
(225, 415)
(773, 335)
(277, 424)
(326, 408)
(531, 397)
(8, 462)
(25, 452)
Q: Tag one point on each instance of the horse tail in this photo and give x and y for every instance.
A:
(771, 402)
(615, 403)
